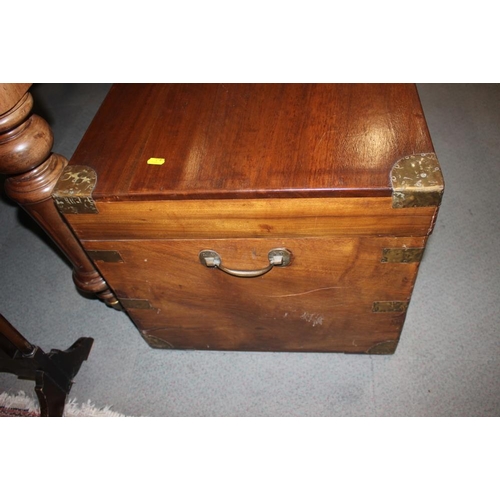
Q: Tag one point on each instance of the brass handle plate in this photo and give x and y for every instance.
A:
(278, 257)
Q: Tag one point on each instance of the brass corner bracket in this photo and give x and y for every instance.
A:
(417, 181)
(386, 347)
(156, 342)
(73, 191)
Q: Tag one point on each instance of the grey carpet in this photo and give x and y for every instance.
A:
(447, 363)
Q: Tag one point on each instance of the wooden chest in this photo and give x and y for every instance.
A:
(257, 217)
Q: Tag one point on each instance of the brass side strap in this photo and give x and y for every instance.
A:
(401, 255)
(389, 307)
(135, 303)
(105, 255)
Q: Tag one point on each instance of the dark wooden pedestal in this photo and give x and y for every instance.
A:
(52, 372)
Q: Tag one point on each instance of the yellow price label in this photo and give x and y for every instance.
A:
(156, 161)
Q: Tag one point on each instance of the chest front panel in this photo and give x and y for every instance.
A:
(337, 294)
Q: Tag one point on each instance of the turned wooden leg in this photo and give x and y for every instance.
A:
(25, 155)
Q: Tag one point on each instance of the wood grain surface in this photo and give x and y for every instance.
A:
(259, 218)
(323, 301)
(242, 169)
(10, 95)
(251, 140)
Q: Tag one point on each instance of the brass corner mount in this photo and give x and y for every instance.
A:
(73, 191)
(417, 181)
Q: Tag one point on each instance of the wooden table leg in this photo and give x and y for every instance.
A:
(25, 155)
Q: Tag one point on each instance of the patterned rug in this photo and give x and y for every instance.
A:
(21, 405)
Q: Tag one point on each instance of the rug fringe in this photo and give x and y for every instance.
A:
(23, 402)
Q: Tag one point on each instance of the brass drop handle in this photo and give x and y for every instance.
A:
(278, 257)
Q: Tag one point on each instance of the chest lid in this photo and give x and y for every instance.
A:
(209, 141)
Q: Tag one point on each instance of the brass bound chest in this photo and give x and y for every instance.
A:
(257, 217)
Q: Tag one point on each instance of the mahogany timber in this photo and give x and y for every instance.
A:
(251, 140)
(10, 95)
(240, 170)
(25, 155)
(324, 301)
(257, 218)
